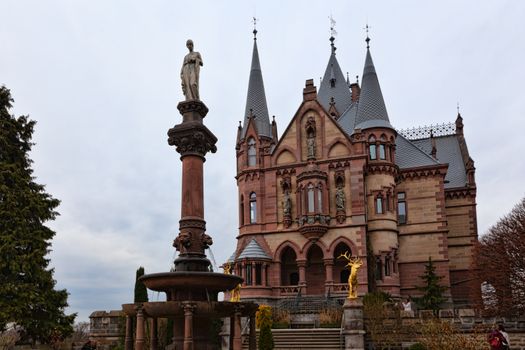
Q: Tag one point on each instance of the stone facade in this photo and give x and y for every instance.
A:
(343, 179)
(107, 328)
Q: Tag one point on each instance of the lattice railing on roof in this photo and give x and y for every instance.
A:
(423, 132)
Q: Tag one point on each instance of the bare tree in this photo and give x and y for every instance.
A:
(500, 259)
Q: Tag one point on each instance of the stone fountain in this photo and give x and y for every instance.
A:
(191, 288)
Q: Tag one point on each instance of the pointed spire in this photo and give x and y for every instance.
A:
(333, 84)
(256, 98)
(371, 111)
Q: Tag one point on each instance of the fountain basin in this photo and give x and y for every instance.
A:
(190, 280)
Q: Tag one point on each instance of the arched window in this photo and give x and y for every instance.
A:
(253, 208)
(252, 152)
(241, 210)
(372, 148)
(311, 198)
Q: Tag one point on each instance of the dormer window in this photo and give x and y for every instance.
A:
(252, 152)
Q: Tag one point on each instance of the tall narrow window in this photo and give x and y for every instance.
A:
(382, 154)
(379, 269)
(253, 208)
(248, 274)
(241, 210)
(387, 265)
(401, 208)
(372, 148)
(320, 199)
(252, 152)
(311, 198)
(379, 205)
(258, 274)
(387, 202)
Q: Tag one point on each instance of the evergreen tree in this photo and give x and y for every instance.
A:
(433, 291)
(141, 292)
(27, 288)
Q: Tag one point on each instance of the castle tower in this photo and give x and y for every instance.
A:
(379, 136)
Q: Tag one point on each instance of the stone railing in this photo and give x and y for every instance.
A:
(289, 290)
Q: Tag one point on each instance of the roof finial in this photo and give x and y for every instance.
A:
(254, 28)
(347, 79)
(357, 79)
(367, 37)
(458, 108)
(333, 33)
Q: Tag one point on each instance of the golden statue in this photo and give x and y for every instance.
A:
(235, 293)
(354, 264)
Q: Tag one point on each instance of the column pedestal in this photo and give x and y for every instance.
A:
(354, 331)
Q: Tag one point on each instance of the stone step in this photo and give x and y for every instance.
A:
(296, 339)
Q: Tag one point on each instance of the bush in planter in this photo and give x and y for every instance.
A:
(330, 318)
(280, 319)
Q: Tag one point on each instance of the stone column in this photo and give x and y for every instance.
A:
(329, 278)
(188, 326)
(139, 333)
(154, 342)
(237, 336)
(128, 340)
(253, 333)
(354, 331)
(301, 264)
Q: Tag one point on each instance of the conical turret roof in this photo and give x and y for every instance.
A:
(256, 99)
(371, 110)
(334, 85)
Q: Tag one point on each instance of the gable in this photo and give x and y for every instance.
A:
(311, 119)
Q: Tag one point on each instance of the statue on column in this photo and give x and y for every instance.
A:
(287, 204)
(189, 73)
(354, 264)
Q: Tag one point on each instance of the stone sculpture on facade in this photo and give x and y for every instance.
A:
(340, 198)
(189, 73)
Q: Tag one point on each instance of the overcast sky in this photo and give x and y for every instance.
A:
(101, 78)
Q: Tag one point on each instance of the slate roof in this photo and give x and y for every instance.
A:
(408, 155)
(371, 110)
(253, 251)
(256, 98)
(448, 151)
(347, 119)
(340, 91)
(231, 258)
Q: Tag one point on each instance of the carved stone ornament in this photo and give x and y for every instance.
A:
(192, 138)
(182, 242)
(206, 241)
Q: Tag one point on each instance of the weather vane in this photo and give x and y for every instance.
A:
(366, 28)
(333, 32)
(254, 27)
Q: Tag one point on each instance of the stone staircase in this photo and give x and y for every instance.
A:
(304, 339)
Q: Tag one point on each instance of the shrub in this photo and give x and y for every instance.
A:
(266, 338)
(280, 318)
(263, 316)
(417, 346)
(330, 317)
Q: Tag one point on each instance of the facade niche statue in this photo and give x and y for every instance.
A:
(340, 200)
(189, 73)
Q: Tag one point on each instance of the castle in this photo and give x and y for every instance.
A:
(342, 179)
